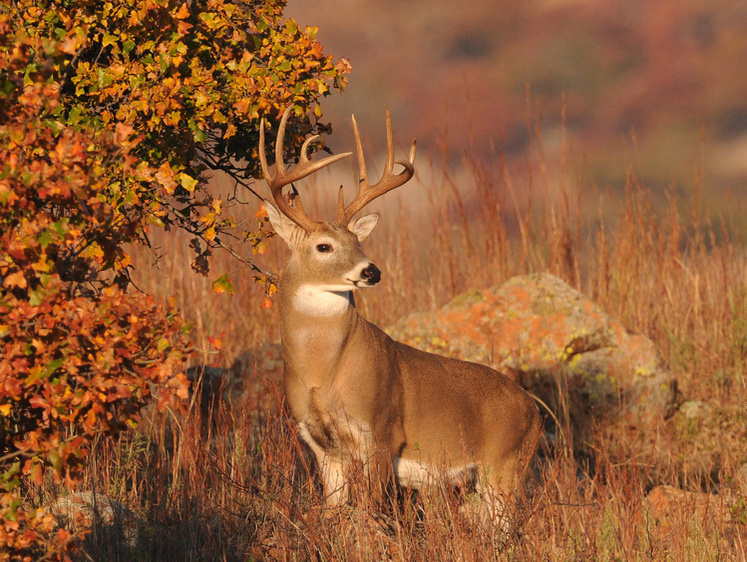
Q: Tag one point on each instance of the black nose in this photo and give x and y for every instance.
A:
(371, 274)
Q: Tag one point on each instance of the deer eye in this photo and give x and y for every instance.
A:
(323, 248)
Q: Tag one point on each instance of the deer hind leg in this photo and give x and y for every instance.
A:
(494, 504)
(492, 498)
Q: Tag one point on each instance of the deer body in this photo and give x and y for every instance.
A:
(359, 396)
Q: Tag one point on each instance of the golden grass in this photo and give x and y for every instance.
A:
(245, 488)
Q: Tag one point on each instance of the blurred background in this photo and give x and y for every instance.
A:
(602, 141)
(656, 85)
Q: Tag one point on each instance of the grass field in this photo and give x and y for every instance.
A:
(672, 266)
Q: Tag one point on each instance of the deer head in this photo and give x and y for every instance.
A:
(328, 254)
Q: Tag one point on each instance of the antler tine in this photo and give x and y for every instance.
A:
(283, 177)
(389, 180)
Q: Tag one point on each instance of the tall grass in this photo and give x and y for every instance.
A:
(244, 488)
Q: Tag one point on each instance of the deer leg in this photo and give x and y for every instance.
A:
(489, 501)
(335, 481)
(331, 468)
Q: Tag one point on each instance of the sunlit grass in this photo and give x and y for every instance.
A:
(244, 487)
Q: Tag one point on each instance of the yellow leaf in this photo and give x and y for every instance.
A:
(94, 251)
(189, 183)
(5, 409)
(165, 176)
(123, 262)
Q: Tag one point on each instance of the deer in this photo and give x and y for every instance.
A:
(357, 396)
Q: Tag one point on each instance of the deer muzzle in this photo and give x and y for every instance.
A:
(371, 274)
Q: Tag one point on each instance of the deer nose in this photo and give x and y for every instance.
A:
(371, 274)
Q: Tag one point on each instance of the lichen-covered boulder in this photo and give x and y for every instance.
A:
(671, 508)
(245, 378)
(266, 359)
(110, 521)
(548, 336)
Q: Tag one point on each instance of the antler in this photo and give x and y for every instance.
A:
(283, 177)
(389, 180)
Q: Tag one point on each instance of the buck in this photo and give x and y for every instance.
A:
(356, 395)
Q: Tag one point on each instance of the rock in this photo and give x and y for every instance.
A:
(266, 359)
(711, 438)
(231, 387)
(670, 507)
(102, 515)
(545, 334)
(695, 409)
(213, 386)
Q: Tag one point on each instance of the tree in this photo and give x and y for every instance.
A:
(193, 79)
(111, 115)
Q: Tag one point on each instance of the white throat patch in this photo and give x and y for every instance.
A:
(318, 300)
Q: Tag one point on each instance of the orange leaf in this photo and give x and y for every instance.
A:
(183, 27)
(15, 280)
(182, 12)
(223, 285)
(36, 473)
(215, 342)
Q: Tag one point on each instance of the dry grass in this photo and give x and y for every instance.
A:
(245, 488)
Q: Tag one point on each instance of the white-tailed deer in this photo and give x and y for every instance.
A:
(357, 395)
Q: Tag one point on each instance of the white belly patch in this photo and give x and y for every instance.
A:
(416, 474)
(409, 473)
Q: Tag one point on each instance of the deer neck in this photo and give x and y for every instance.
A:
(316, 325)
(316, 303)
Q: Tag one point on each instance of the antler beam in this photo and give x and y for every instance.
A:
(280, 176)
(388, 181)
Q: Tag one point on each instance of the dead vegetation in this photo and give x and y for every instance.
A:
(244, 488)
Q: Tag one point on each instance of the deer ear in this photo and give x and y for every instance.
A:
(281, 224)
(363, 226)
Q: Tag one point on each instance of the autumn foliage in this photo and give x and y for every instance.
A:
(110, 115)
(192, 79)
